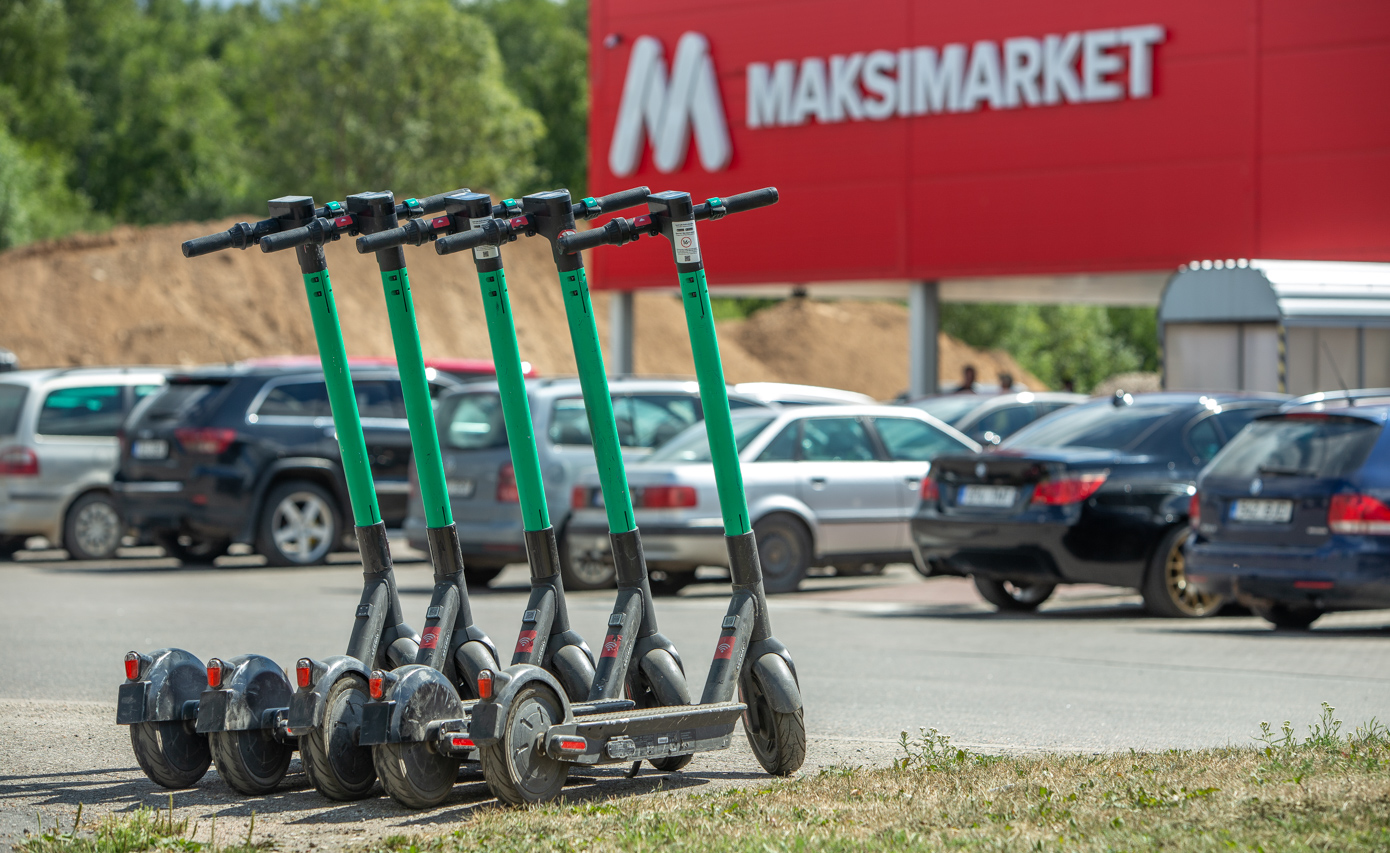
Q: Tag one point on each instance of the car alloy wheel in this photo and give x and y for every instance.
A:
(302, 527)
(94, 529)
(1166, 590)
(1184, 595)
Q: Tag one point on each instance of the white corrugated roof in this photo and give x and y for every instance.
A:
(1294, 292)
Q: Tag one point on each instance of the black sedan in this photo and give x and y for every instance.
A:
(1098, 493)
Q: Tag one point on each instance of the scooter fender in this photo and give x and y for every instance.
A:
(173, 679)
(247, 698)
(422, 695)
(307, 706)
(485, 725)
(779, 683)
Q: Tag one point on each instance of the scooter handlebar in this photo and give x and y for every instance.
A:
(436, 203)
(620, 200)
(739, 203)
(368, 243)
(287, 239)
(209, 244)
(579, 241)
(462, 241)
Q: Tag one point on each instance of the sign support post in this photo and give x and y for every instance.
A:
(923, 325)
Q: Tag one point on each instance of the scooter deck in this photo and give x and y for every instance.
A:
(643, 733)
(376, 718)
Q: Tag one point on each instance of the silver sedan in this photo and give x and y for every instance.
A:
(826, 485)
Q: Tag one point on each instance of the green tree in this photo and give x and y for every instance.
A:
(545, 50)
(355, 95)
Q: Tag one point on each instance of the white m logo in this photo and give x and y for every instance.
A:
(665, 114)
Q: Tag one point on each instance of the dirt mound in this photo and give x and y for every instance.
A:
(130, 297)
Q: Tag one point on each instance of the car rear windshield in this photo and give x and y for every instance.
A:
(1102, 426)
(1297, 446)
(643, 420)
(11, 404)
(693, 445)
(179, 401)
(952, 409)
(473, 422)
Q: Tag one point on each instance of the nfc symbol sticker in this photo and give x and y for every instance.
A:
(611, 644)
(430, 638)
(725, 649)
(526, 643)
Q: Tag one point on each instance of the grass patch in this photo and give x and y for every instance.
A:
(142, 829)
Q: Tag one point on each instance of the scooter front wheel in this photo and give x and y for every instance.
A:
(253, 762)
(517, 769)
(414, 775)
(778, 739)
(340, 769)
(171, 753)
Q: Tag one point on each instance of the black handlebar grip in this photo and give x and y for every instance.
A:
(211, 243)
(286, 239)
(369, 243)
(578, 241)
(750, 200)
(622, 200)
(436, 203)
(461, 241)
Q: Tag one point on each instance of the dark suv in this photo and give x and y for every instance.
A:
(248, 454)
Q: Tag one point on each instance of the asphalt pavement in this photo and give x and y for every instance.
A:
(876, 656)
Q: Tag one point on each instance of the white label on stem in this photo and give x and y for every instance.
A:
(687, 244)
(483, 252)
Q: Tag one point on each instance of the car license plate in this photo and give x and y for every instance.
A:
(990, 496)
(463, 487)
(1266, 512)
(150, 448)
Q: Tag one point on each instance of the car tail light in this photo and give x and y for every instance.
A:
(579, 497)
(485, 684)
(1194, 510)
(19, 462)
(667, 497)
(930, 490)
(304, 672)
(506, 485)
(1068, 490)
(132, 666)
(1360, 514)
(214, 673)
(208, 441)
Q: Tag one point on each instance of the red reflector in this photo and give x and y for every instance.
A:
(132, 666)
(506, 485)
(573, 744)
(668, 497)
(1312, 584)
(342, 222)
(441, 222)
(214, 673)
(1070, 490)
(1358, 514)
(304, 672)
(210, 441)
(579, 498)
(643, 221)
(519, 222)
(930, 490)
(485, 684)
(19, 462)
(463, 742)
(374, 686)
(1194, 510)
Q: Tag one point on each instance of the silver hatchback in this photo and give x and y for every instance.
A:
(826, 485)
(58, 450)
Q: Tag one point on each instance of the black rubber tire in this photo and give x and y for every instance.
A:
(194, 552)
(516, 773)
(252, 762)
(784, 551)
(80, 540)
(670, 583)
(645, 695)
(265, 535)
(413, 775)
(1287, 618)
(778, 740)
(1013, 596)
(171, 753)
(480, 576)
(590, 577)
(339, 768)
(1166, 592)
(859, 570)
(9, 545)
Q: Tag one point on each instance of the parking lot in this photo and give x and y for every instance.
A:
(1088, 672)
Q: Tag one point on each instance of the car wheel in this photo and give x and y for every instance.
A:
(299, 524)
(784, 550)
(585, 572)
(9, 545)
(1286, 617)
(1166, 590)
(664, 582)
(859, 570)
(192, 550)
(92, 530)
(1014, 596)
(481, 576)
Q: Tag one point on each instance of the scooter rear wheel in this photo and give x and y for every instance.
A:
(517, 769)
(778, 740)
(660, 693)
(170, 753)
(340, 769)
(252, 761)
(414, 775)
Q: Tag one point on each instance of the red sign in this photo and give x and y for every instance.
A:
(430, 638)
(914, 141)
(525, 643)
(725, 649)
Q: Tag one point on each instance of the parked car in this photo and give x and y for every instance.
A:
(989, 419)
(1098, 493)
(58, 450)
(8, 361)
(826, 485)
(478, 463)
(1293, 516)
(248, 454)
(462, 369)
(788, 394)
